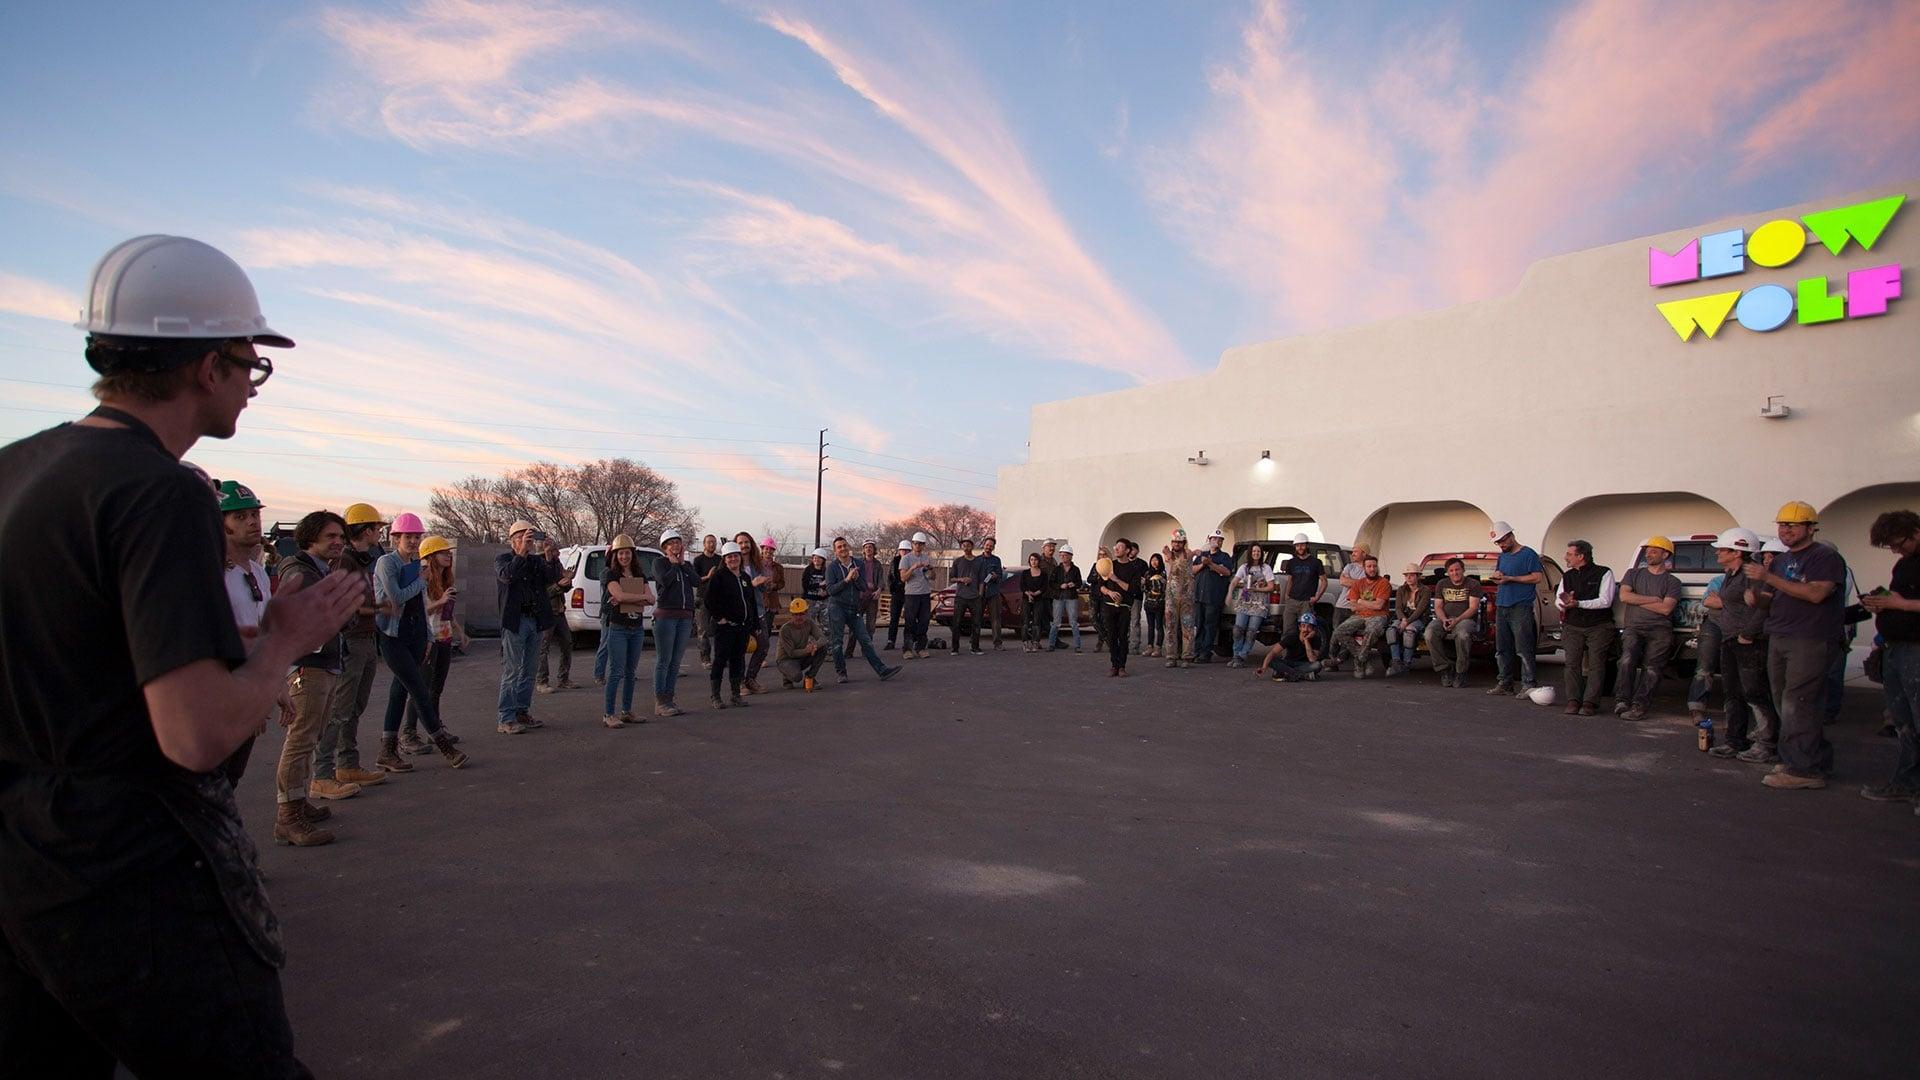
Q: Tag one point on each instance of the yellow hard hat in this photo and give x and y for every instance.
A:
(798, 607)
(619, 542)
(433, 545)
(363, 514)
(1797, 513)
(1659, 542)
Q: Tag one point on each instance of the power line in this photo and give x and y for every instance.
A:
(923, 476)
(919, 461)
(916, 487)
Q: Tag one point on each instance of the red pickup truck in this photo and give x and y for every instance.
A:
(1480, 564)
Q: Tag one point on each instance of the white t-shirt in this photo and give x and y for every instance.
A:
(247, 612)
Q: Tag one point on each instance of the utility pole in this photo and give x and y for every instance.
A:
(819, 486)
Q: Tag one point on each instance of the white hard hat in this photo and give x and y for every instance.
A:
(1500, 529)
(906, 545)
(822, 553)
(1301, 538)
(1216, 535)
(670, 534)
(1775, 545)
(729, 548)
(1066, 549)
(1739, 539)
(171, 287)
(922, 538)
(1542, 695)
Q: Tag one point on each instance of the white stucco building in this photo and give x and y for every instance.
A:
(1592, 417)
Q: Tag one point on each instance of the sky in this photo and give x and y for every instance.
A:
(696, 234)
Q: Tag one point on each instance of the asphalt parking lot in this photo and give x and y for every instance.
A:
(1014, 866)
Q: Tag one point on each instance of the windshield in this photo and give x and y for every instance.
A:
(1689, 556)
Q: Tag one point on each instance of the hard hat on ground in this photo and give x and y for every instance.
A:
(729, 548)
(1301, 538)
(363, 514)
(1542, 695)
(1739, 539)
(518, 527)
(1659, 542)
(235, 495)
(173, 288)
(433, 545)
(1797, 513)
(623, 541)
(922, 538)
(1499, 531)
(671, 534)
(408, 523)
(1775, 545)
(798, 607)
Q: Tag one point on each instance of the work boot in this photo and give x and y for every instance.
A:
(1787, 781)
(511, 727)
(610, 721)
(362, 777)
(527, 719)
(542, 688)
(412, 743)
(324, 788)
(714, 702)
(390, 758)
(455, 757)
(566, 684)
(292, 828)
(313, 814)
(1757, 755)
(739, 700)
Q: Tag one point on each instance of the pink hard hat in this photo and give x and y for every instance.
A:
(770, 544)
(407, 523)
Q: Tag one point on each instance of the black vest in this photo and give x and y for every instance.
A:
(1584, 584)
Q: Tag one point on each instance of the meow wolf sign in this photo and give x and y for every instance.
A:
(1766, 308)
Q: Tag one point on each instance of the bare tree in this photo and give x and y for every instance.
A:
(593, 502)
(948, 523)
(553, 491)
(468, 510)
(788, 536)
(621, 495)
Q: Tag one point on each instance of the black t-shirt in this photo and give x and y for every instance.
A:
(611, 614)
(701, 564)
(1132, 573)
(1902, 625)
(1303, 576)
(113, 557)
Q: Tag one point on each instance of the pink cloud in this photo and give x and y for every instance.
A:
(37, 299)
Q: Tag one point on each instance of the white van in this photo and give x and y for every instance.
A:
(586, 563)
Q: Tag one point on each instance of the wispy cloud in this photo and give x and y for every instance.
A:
(1434, 184)
(26, 296)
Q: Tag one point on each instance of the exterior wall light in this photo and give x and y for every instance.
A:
(1199, 459)
(1266, 455)
(1775, 409)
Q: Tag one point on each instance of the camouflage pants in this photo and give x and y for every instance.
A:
(1179, 631)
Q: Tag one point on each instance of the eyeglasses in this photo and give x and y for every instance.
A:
(252, 585)
(260, 366)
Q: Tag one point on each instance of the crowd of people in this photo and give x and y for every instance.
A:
(147, 649)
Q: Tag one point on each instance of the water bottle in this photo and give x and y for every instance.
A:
(1705, 728)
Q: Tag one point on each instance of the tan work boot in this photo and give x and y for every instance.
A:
(1789, 782)
(323, 788)
(292, 828)
(455, 757)
(363, 777)
(313, 813)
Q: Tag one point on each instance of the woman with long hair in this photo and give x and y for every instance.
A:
(770, 579)
(730, 603)
(399, 590)
(759, 633)
(625, 596)
(1034, 602)
(1154, 605)
(1251, 587)
(443, 630)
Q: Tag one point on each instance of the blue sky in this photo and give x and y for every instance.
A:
(693, 234)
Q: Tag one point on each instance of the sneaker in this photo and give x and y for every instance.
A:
(890, 673)
(1787, 781)
(513, 727)
(610, 721)
(1360, 673)
(1076, 648)
(542, 688)
(739, 701)
(1459, 682)
(567, 684)
(629, 718)
(668, 709)
(1313, 676)
(320, 788)
(979, 652)
(1724, 752)
(844, 677)
(1500, 690)
(1876, 792)
(1637, 712)
(1757, 755)
(1446, 678)
(1620, 707)
(714, 702)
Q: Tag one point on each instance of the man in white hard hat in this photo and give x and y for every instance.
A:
(1306, 582)
(1517, 574)
(1212, 571)
(1743, 656)
(916, 576)
(133, 926)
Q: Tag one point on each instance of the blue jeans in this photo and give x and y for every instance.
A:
(1065, 613)
(1244, 628)
(1706, 665)
(670, 639)
(1900, 667)
(624, 645)
(519, 652)
(1206, 628)
(600, 656)
(1514, 632)
(1400, 642)
(840, 622)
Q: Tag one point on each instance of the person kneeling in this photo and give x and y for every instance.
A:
(802, 648)
(1295, 657)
